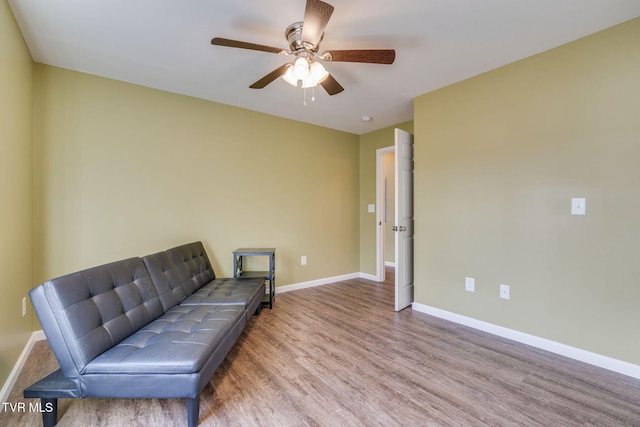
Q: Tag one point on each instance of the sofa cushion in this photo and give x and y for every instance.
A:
(166, 279)
(86, 313)
(227, 291)
(179, 342)
(193, 266)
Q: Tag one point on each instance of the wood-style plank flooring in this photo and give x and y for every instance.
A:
(338, 355)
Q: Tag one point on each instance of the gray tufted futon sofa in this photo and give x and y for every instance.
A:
(151, 327)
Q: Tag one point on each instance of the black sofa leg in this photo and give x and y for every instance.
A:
(193, 410)
(49, 408)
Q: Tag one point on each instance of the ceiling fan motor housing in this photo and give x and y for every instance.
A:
(293, 33)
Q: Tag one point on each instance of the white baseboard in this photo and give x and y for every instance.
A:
(389, 264)
(318, 282)
(13, 375)
(579, 354)
(325, 281)
(368, 276)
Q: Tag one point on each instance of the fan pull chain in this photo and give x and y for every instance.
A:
(304, 96)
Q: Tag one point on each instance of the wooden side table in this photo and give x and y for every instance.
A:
(239, 256)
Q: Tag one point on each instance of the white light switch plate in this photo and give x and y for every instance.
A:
(371, 208)
(578, 206)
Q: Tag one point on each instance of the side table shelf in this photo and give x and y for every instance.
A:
(239, 263)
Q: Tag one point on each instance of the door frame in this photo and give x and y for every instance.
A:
(380, 152)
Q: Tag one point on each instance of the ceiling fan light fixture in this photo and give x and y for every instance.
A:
(309, 73)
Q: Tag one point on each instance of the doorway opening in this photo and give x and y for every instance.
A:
(385, 201)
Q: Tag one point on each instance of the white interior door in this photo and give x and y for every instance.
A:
(404, 219)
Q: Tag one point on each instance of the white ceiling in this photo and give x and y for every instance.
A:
(165, 44)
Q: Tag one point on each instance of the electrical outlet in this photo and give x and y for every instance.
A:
(504, 291)
(469, 284)
(578, 206)
(303, 260)
(24, 306)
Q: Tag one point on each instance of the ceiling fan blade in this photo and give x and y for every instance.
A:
(270, 77)
(370, 56)
(316, 17)
(331, 85)
(219, 41)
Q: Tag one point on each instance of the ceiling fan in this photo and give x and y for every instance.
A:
(304, 41)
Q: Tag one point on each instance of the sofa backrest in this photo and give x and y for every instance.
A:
(84, 314)
(165, 278)
(193, 266)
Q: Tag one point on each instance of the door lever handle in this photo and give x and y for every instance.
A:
(394, 228)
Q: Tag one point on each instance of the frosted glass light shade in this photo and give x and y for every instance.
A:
(301, 68)
(318, 72)
(309, 82)
(290, 77)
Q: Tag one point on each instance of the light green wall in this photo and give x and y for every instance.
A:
(122, 170)
(369, 143)
(15, 190)
(498, 158)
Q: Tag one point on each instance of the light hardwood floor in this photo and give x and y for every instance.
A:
(338, 355)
